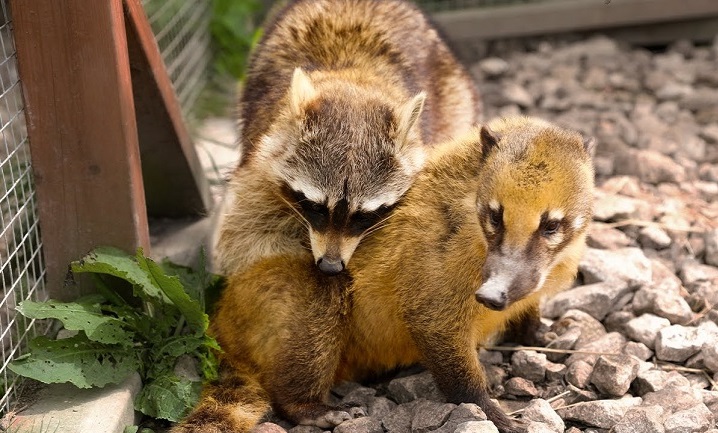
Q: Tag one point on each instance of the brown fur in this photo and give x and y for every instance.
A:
(376, 85)
(414, 285)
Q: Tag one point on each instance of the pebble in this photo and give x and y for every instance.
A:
(694, 420)
(612, 375)
(429, 415)
(711, 246)
(269, 427)
(645, 328)
(664, 304)
(422, 385)
(692, 272)
(529, 365)
(540, 411)
(360, 425)
(654, 237)
(629, 265)
(520, 387)
(677, 343)
(494, 66)
(595, 299)
(600, 413)
(603, 237)
(476, 427)
(645, 419)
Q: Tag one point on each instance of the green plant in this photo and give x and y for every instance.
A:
(115, 337)
(234, 33)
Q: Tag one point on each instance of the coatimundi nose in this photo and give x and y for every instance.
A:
(330, 266)
(492, 303)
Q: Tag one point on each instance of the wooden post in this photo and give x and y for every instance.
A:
(74, 67)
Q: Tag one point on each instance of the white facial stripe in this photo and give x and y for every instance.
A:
(556, 214)
(310, 191)
(494, 205)
(578, 222)
(387, 199)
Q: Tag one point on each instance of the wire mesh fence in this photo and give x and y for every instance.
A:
(181, 28)
(21, 261)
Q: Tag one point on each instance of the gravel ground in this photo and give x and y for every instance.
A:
(642, 319)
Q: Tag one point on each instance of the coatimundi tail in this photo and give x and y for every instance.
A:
(341, 99)
(495, 221)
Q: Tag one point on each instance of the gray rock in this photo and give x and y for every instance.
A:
(612, 375)
(629, 265)
(646, 419)
(654, 237)
(694, 420)
(494, 66)
(710, 353)
(677, 343)
(611, 343)
(617, 320)
(603, 237)
(638, 350)
(360, 425)
(589, 328)
(461, 414)
(614, 207)
(669, 305)
(538, 427)
(645, 328)
(476, 427)
(653, 380)
(422, 385)
(711, 242)
(578, 374)
(529, 365)
(710, 399)
(399, 420)
(520, 387)
(600, 413)
(692, 272)
(380, 407)
(359, 396)
(674, 398)
(555, 372)
(540, 411)
(268, 427)
(345, 388)
(650, 166)
(516, 94)
(565, 341)
(304, 429)
(429, 416)
(595, 299)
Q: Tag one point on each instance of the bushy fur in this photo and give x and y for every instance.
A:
(415, 291)
(341, 98)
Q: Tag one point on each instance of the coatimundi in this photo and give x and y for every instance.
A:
(495, 221)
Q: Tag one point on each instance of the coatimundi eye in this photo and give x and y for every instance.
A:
(550, 227)
(496, 216)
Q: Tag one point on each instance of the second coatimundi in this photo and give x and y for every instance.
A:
(495, 221)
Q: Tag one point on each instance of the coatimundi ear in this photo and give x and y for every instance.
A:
(408, 115)
(489, 140)
(301, 91)
(589, 145)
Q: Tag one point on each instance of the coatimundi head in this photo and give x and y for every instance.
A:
(534, 202)
(343, 155)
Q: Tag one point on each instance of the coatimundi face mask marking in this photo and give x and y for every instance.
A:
(534, 204)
